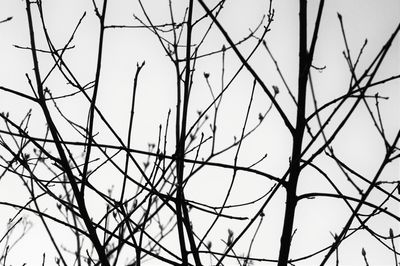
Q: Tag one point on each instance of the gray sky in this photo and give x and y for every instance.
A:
(359, 144)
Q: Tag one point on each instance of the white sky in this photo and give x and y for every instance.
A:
(124, 48)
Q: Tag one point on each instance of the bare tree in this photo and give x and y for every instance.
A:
(202, 149)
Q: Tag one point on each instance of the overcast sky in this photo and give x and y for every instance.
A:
(124, 48)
